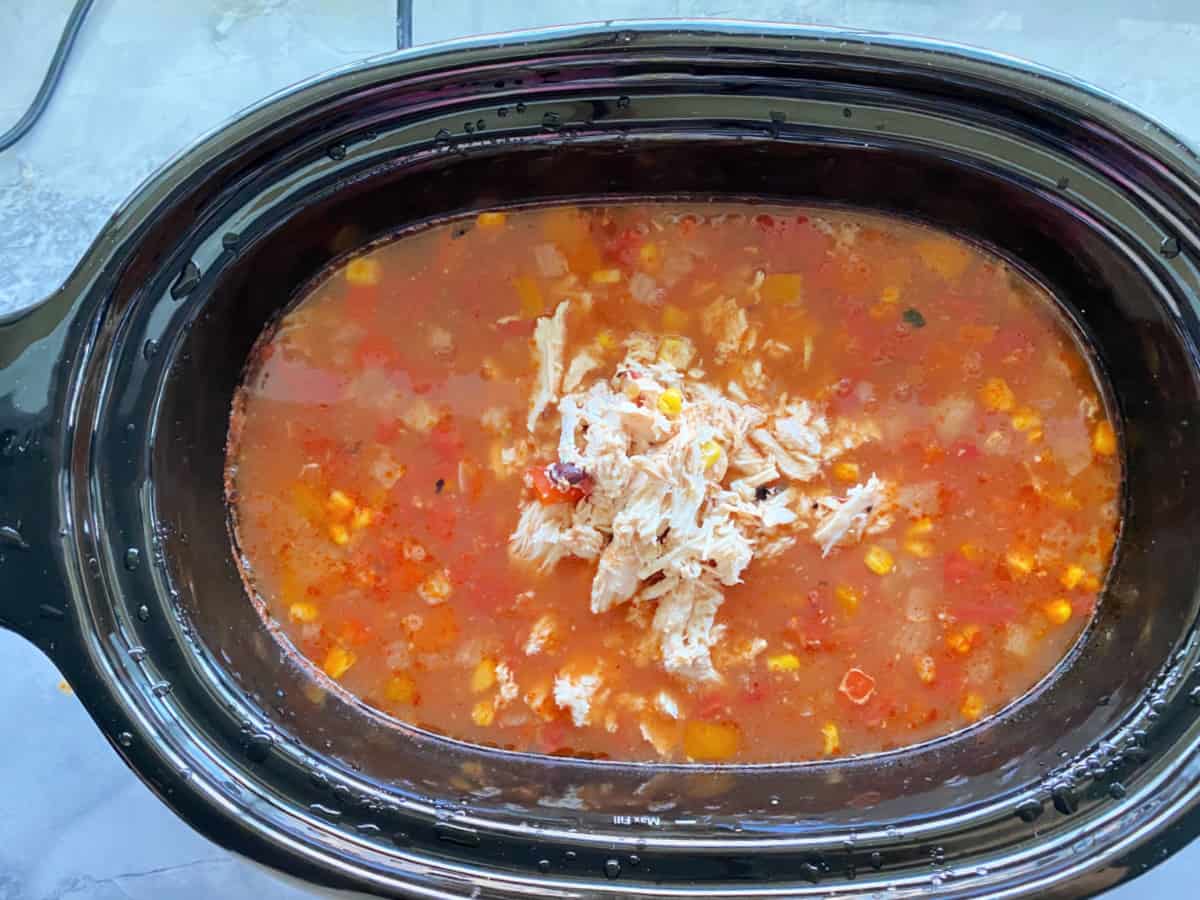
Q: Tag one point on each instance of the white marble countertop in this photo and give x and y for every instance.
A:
(146, 79)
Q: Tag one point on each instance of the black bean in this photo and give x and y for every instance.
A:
(565, 473)
(438, 485)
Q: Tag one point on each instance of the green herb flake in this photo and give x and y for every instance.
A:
(914, 318)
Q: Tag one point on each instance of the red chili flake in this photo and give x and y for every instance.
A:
(857, 685)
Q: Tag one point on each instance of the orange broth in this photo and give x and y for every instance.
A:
(379, 456)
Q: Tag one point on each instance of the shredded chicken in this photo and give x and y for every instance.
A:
(860, 512)
(550, 339)
(686, 486)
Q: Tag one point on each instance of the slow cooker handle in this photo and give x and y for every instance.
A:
(33, 373)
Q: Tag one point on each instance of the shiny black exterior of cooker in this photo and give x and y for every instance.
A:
(114, 397)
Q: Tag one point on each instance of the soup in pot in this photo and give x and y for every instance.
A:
(712, 483)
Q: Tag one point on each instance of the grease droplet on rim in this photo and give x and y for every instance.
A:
(612, 868)
(1029, 811)
(543, 866)
(1169, 247)
(143, 613)
(337, 151)
(186, 282)
(133, 558)
(125, 739)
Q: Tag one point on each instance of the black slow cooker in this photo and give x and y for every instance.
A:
(115, 557)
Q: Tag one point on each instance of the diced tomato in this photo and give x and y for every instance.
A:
(755, 693)
(992, 611)
(553, 736)
(857, 686)
(441, 520)
(965, 450)
(406, 574)
(387, 430)
(957, 569)
(624, 247)
(354, 631)
(712, 706)
(447, 443)
(362, 302)
(439, 629)
(548, 491)
(518, 327)
(376, 350)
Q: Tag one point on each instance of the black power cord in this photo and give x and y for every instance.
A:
(42, 98)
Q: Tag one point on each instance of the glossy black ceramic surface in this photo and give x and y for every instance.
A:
(114, 398)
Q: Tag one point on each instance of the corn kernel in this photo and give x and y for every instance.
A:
(304, 612)
(363, 271)
(362, 518)
(847, 596)
(491, 219)
(879, 560)
(920, 528)
(1104, 440)
(782, 287)
(831, 741)
(484, 676)
(926, 669)
(483, 713)
(997, 395)
(918, 548)
(710, 452)
(670, 402)
(711, 741)
(400, 689)
(891, 294)
(969, 552)
(339, 504)
(784, 662)
(962, 641)
(1072, 576)
(339, 534)
(846, 471)
(1058, 610)
(1019, 562)
(674, 318)
(1026, 419)
(606, 276)
(972, 707)
(649, 255)
(605, 340)
(338, 661)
